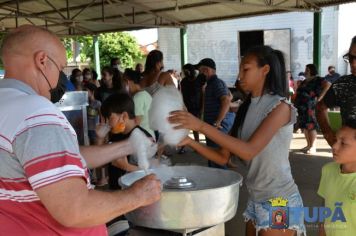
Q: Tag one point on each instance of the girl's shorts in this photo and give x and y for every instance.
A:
(263, 215)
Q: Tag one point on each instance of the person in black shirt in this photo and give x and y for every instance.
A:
(342, 93)
(192, 92)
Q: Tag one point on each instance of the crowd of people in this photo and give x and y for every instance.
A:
(44, 179)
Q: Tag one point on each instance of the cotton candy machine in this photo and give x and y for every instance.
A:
(74, 107)
(193, 198)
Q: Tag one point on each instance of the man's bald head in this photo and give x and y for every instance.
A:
(35, 56)
(28, 39)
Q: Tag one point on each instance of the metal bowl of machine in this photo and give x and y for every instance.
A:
(192, 197)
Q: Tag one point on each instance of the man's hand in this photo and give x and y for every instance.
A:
(224, 109)
(147, 190)
(185, 142)
(217, 124)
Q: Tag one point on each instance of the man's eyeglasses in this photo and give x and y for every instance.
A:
(54, 63)
(349, 57)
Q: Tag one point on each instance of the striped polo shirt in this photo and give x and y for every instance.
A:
(38, 147)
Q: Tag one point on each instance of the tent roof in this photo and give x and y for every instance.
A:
(80, 17)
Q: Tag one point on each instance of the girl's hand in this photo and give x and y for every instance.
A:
(185, 142)
(185, 120)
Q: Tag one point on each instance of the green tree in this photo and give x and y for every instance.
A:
(119, 44)
(67, 42)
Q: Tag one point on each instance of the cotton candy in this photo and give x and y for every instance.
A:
(144, 148)
(166, 100)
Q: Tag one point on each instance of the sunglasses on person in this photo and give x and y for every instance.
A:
(349, 57)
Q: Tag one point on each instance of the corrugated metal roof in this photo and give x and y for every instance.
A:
(78, 17)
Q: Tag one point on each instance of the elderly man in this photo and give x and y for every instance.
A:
(342, 93)
(44, 184)
(217, 100)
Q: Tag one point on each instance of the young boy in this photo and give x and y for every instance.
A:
(118, 110)
(338, 183)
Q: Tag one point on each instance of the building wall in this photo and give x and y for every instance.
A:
(169, 44)
(219, 40)
(346, 30)
(329, 36)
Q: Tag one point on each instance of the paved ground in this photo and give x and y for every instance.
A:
(306, 170)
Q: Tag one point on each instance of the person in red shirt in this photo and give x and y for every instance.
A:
(44, 181)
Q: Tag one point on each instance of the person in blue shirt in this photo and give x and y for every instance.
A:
(217, 100)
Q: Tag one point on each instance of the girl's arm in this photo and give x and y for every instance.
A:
(246, 150)
(321, 226)
(325, 87)
(321, 230)
(165, 79)
(218, 156)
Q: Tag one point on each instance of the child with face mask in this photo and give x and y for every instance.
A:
(118, 112)
(93, 111)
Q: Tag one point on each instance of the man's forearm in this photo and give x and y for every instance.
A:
(225, 107)
(73, 205)
(101, 207)
(323, 120)
(99, 155)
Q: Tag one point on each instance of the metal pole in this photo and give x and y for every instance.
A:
(103, 10)
(96, 55)
(317, 41)
(133, 15)
(68, 16)
(17, 13)
(183, 47)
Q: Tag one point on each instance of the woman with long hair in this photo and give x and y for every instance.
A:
(153, 77)
(111, 82)
(261, 137)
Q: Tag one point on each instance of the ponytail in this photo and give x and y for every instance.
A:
(240, 117)
(275, 82)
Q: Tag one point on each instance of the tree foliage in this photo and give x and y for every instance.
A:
(120, 44)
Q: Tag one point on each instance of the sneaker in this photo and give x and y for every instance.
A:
(165, 160)
(181, 150)
(304, 149)
(310, 151)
